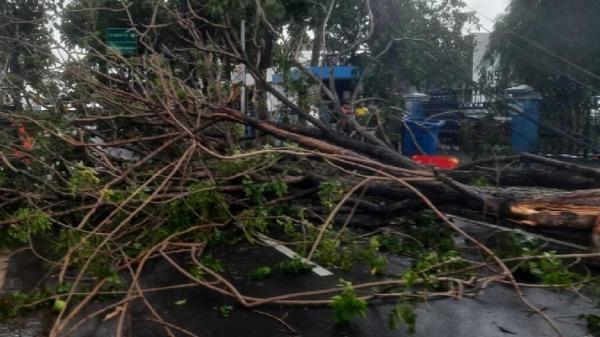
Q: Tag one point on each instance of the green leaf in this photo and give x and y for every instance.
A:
(403, 314)
(279, 188)
(29, 222)
(347, 305)
(410, 277)
(82, 178)
(593, 323)
(260, 273)
(330, 192)
(225, 311)
(213, 264)
(294, 266)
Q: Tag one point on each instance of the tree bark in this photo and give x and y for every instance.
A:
(556, 208)
(262, 111)
(317, 45)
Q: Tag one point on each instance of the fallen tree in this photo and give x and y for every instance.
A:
(153, 165)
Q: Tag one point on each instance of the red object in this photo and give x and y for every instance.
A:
(443, 162)
(27, 144)
(26, 139)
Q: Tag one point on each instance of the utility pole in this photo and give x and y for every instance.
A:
(243, 66)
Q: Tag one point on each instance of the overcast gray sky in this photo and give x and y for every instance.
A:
(487, 8)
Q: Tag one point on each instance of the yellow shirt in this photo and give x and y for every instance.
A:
(361, 112)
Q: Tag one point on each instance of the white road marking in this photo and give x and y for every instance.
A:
(293, 255)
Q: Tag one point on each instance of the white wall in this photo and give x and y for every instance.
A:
(481, 44)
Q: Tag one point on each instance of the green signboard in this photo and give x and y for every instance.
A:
(123, 40)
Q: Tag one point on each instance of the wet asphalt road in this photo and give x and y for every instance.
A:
(497, 312)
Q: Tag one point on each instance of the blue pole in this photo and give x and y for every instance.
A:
(525, 115)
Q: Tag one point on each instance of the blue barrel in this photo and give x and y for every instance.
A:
(413, 103)
(421, 137)
(525, 116)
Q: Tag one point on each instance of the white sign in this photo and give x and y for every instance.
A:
(237, 76)
(7, 99)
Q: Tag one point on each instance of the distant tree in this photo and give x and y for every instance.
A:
(24, 46)
(85, 22)
(424, 43)
(552, 46)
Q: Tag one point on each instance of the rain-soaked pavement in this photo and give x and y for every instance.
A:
(497, 312)
(34, 325)
(22, 271)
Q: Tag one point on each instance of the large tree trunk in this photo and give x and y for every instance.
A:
(262, 111)
(317, 45)
(576, 209)
(16, 83)
(532, 207)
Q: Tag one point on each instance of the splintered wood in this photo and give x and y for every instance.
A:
(579, 210)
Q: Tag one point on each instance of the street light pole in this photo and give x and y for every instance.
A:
(243, 70)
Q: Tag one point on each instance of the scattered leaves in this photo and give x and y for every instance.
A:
(347, 305)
